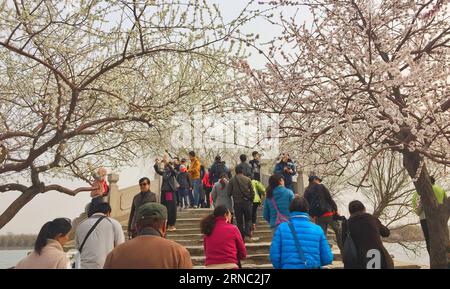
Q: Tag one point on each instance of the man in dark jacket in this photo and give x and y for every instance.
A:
(145, 196)
(323, 208)
(256, 166)
(241, 189)
(217, 170)
(286, 168)
(366, 232)
(246, 168)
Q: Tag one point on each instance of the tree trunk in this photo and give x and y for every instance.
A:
(15, 207)
(436, 214)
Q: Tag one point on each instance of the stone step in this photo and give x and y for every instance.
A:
(194, 213)
(261, 260)
(197, 239)
(183, 223)
(195, 222)
(260, 227)
(252, 249)
(194, 237)
(189, 230)
(176, 236)
(244, 266)
(263, 235)
(256, 259)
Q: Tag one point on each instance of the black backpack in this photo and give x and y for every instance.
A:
(219, 170)
(316, 201)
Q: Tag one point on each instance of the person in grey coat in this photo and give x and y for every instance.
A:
(220, 194)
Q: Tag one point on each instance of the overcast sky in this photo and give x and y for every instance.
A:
(52, 204)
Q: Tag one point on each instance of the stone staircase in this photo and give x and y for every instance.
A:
(188, 227)
(188, 234)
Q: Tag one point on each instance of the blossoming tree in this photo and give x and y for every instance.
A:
(365, 76)
(87, 83)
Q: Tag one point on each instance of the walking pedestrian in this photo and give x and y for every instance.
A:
(168, 189)
(366, 231)
(298, 243)
(323, 208)
(145, 196)
(207, 187)
(260, 192)
(278, 199)
(222, 241)
(194, 171)
(218, 169)
(256, 166)
(287, 169)
(246, 168)
(185, 182)
(220, 194)
(240, 188)
(96, 236)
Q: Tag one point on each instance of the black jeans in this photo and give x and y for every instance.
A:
(171, 206)
(207, 196)
(426, 233)
(243, 214)
(255, 212)
(323, 222)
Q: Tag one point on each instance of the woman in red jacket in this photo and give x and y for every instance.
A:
(207, 186)
(222, 241)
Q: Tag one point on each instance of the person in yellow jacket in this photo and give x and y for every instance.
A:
(260, 192)
(418, 208)
(194, 172)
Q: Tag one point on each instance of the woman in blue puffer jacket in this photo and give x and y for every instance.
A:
(283, 251)
(281, 195)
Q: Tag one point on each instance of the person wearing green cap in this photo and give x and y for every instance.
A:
(150, 249)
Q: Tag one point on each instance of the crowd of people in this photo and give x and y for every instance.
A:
(299, 223)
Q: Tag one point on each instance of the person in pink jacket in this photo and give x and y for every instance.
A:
(222, 241)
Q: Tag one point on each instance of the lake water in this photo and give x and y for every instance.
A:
(9, 258)
(400, 254)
